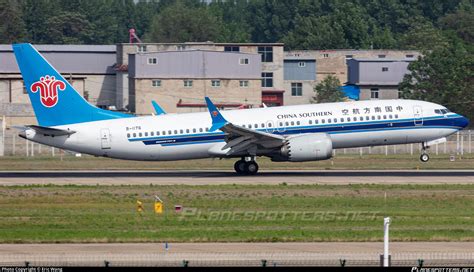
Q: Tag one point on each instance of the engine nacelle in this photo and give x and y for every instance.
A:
(307, 147)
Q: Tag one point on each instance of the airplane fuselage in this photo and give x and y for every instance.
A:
(186, 136)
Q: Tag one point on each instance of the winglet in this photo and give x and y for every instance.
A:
(218, 120)
(157, 107)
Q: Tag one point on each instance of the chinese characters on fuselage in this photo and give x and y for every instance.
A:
(354, 111)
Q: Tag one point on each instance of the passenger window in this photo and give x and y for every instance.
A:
(181, 131)
(269, 125)
(146, 134)
(152, 133)
(396, 116)
(281, 124)
(134, 135)
(378, 117)
(316, 121)
(243, 126)
(298, 123)
(348, 119)
(207, 129)
(187, 130)
(310, 122)
(342, 120)
(329, 120)
(355, 118)
(169, 132)
(157, 133)
(128, 135)
(323, 121)
(373, 117)
(175, 131)
(164, 132)
(292, 123)
(250, 126)
(361, 118)
(287, 124)
(263, 125)
(140, 134)
(367, 118)
(256, 125)
(385, 117)
(200, 129)
(390, 116)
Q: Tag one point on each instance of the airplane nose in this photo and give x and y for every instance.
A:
(463, 122)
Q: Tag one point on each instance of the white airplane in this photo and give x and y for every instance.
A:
(288, 133)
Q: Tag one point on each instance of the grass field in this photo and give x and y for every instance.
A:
(339, 162)
(236, 213)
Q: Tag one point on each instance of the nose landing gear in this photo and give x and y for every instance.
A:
(246, 167)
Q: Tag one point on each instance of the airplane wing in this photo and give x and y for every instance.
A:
(240, 140)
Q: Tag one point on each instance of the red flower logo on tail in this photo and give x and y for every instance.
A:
(48, 88)
(214, 113)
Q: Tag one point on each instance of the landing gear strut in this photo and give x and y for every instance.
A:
(424, 157)
(246, 167)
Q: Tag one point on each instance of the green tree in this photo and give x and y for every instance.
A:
(315, 33)
(383, 39)
(69, 28)
(272, 20)
(180, 23)
(462, 23)
(444, 76)
(328, 90)
(234, 15)
(35, 14)
(12, 27)
(103, 24)
(423, 36)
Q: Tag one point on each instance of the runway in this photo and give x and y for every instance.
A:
(210, 177)
(197, 254)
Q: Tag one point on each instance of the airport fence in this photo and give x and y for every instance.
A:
(457, 144)
(433, 259)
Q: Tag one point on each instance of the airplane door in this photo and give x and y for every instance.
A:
(105, 138)
(418, 115)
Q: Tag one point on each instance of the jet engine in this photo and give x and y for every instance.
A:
(306, 147)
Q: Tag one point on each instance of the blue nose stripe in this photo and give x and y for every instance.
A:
(464, 122)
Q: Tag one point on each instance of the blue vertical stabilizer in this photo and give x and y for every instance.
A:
(55, 102)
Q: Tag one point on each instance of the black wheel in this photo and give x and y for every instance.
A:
(424, 157)
(239, 167)
(251, 168)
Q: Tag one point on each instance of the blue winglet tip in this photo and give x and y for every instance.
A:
(157, 108)
(218, 120)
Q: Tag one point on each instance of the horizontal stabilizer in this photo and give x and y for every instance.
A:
(47, 131)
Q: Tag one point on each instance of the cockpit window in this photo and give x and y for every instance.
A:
(442, 111)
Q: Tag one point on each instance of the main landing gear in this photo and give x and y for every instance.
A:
(246, 167)
(424, 157)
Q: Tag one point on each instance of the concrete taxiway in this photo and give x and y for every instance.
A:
(210, 177)
(139, 254)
